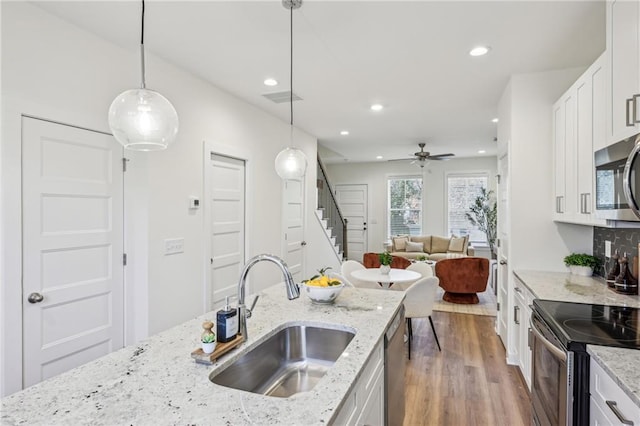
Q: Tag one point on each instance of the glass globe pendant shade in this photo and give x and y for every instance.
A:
(291, 163)
(143, 120)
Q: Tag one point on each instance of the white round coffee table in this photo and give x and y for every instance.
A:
(386, 280)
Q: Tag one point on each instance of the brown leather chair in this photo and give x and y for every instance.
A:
(462, 278)
(371, 260)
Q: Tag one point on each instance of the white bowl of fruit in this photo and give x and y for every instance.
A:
(322, 288)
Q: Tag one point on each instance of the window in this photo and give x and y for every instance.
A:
(462, 190)
(404, 197)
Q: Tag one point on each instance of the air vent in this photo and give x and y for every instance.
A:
(281, 97)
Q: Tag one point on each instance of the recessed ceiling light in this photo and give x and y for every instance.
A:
(344, 132)
(271, 82)
(379, 157)
(482, 151)
(479, 51)
(376, 107)
(495, 120)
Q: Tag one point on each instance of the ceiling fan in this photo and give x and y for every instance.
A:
(422, 156)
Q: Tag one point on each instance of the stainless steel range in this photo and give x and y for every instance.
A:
(560, 372)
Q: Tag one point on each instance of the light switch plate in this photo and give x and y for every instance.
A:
(607, 248)
(173, 246)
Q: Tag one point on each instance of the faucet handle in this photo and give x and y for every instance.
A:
(253, 305)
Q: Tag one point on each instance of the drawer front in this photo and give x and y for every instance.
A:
(604, 388)
(375, 364)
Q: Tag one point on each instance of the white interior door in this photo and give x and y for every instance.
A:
(502, 319)
(293, 225)
(352, 200)
(227, 190)
(72, 210)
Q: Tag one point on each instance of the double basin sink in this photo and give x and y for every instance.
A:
(291, 361)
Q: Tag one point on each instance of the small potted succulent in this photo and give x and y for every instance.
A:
(385, 262)
(581, 263)
(208, 342)
(421, 258)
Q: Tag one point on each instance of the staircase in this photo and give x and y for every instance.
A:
(329, 214)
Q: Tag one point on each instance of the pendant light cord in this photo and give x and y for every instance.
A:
(290, 66)
(144, 83)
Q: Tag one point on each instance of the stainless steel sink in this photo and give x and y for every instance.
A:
(291, 361)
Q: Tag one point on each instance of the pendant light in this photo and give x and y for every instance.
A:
(142, 119)
(291, 163)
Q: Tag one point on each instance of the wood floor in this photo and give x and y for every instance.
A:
(468, 383)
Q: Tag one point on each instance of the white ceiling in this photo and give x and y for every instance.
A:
(412, 57)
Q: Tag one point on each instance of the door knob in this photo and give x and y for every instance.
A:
(303, 243)
(35, 298)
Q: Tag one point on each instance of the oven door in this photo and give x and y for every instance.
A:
(551, 392)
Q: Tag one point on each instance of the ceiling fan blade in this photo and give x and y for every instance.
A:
(441, 156)
(402, 159)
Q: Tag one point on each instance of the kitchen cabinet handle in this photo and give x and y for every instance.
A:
(587, 203)
(628, 118)
(516, 309)
(561, 204)
(503, 262)
(529, 338)
(614, 407)
(581, 203)
(517, 289)
(35, 298)
(636, 99)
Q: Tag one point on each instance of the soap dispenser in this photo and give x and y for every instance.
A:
(227, 323)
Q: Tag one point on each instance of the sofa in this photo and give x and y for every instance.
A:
(432, 247)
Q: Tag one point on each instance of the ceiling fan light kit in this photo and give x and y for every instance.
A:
(291, 163)
(142, 119)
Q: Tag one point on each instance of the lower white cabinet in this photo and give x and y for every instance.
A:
(522, 329)
(609, 405)
(365, 403)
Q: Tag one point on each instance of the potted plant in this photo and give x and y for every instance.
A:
(581, 263)
(483, 214)
(208, 342)
(385, 262)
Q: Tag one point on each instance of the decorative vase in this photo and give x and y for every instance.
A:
(585, 271)
(385, 269)
(207, 348)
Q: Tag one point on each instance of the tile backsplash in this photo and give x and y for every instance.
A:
(624, 240)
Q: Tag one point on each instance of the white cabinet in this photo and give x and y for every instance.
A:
(623, 49)
(578, 128)
(365, 403)
(609, 405)
(522, 331)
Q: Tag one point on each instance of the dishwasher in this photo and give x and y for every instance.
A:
(394, 368)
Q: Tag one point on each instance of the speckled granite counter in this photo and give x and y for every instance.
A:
(622, 365)
(573, 288)
(157, 382)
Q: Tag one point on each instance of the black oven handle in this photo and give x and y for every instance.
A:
(626, 182)
(557, 352)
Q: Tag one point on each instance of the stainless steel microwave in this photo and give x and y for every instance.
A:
(618, 180)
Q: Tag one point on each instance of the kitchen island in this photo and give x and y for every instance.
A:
(157, 382)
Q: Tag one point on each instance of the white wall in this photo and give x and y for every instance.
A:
(56, 71)
(375, 175)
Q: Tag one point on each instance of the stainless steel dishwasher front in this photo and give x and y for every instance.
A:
(394, 368)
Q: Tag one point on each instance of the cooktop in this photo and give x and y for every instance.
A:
(582, 323)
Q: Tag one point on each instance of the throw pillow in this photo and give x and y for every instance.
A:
(415, 247)
(439, 244)
(400, 243)
(425, 240)
(457, 244)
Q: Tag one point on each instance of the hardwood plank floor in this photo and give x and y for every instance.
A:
(469, 382)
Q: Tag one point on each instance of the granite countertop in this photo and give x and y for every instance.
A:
(157, 382)
(622, 365)
(566, 287)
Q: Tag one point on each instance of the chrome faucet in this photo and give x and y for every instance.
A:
(293, 291)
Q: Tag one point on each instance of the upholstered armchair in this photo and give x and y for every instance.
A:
(462, 278)
(371, 260)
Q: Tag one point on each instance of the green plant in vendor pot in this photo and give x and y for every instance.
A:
(581, 263)
(385, 262)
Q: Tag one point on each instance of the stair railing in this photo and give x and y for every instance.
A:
(327, 202)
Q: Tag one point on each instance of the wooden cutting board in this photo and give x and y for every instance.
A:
(221, 349)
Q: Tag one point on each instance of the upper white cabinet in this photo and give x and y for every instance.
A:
(578, 129)
(623, 49)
